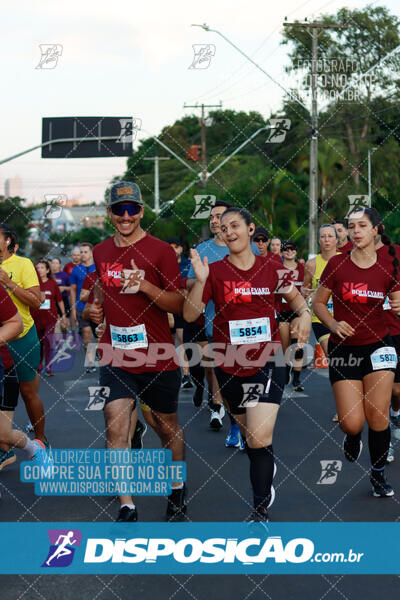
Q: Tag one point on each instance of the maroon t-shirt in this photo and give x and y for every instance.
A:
(286, 276)
(384, 257)
(358, 296)
(47, 314)
(126, 314)
(89, 281)
(6, 357)
(242, 296)
(68, 267)
(346, 248)
(274, 256)
(88, 284)
(7, 311)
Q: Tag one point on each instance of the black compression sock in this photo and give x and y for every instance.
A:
(296, 377)
(197, 374)
(378, 443)
(261, 474)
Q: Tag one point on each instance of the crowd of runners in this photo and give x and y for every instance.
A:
(230, 323)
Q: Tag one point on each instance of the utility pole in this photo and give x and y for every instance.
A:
(370, 177)
(314, 29)
(202, 121)
(156, 181)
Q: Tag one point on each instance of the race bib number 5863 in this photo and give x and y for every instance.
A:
(129, 338)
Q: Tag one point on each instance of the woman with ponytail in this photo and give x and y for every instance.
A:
(390, 253)
(243, 287)
(362, 359)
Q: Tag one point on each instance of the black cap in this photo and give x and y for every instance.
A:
(288, 243)
(260, 230)
(174, 240)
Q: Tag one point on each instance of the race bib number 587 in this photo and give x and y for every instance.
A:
(384, 358)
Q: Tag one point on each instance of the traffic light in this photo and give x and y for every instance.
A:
(192, 153)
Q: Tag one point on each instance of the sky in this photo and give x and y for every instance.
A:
(130, 58)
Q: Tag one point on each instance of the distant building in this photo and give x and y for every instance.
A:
(76, 201)
(73, 218)
(13, 187)
(88, 216)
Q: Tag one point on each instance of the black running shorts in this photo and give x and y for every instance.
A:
(156, 390)
(321, 331)
(286, 316)
(266, 385)
(192, 332)
(9, 400)
(355, 362)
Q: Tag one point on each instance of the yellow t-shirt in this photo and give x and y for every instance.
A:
(23, 273)
(320, 265)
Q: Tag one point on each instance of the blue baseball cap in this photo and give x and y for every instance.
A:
(125, 191)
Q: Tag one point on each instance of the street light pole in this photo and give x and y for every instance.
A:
(313, 194)
(61, 141)
(156, 181)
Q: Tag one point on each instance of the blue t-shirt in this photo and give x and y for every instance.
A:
(213, 252)
(77, 277)
(184, 267)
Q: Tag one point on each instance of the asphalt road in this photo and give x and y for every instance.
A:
(218, 490)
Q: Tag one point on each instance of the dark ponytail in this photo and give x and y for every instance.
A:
(376, 221)
(392, 252)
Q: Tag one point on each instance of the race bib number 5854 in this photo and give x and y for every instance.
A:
(250, 331)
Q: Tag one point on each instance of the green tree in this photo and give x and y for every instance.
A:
(17, 216)
(345, 54)
(40, 249)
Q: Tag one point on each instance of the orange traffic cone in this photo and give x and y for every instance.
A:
(320, 360)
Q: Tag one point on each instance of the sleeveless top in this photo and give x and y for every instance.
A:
(320, 265)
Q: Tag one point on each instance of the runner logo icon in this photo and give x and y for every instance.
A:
(63, 543)
(97, 397)
(204, 204)
(251, 394)
(329, 471)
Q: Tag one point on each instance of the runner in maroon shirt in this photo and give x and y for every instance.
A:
(361, 353)
(287, 319)
(393, 324)
(10, 327)
(46, 316)
(140, 283)
(242, 287)
(344, 245)
(76, 260)
(261, 239)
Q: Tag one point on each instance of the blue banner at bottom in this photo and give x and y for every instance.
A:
(213, 548)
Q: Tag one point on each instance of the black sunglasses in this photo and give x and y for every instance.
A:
(131, 207)
(261, 239)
